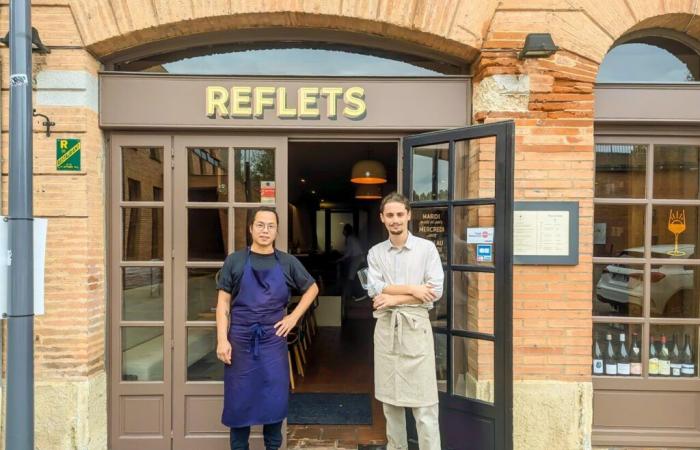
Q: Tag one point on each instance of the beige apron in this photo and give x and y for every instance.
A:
(404, 357)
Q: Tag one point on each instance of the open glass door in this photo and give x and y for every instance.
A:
(460, 184)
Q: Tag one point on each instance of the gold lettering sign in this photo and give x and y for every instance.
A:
(248, 102)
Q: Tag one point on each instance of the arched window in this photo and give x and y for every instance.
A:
(650, 59)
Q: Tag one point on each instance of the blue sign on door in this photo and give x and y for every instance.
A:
(484, 253)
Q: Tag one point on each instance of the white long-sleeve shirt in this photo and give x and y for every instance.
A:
(417, 262)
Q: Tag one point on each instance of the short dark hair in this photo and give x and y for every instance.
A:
(396, 198)
(255, 212)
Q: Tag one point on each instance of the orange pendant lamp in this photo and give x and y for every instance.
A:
(368, 192)
(368, 171)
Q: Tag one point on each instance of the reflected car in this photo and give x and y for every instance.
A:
(621, 287)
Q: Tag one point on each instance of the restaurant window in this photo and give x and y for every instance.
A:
(646, 266)
(650, 59)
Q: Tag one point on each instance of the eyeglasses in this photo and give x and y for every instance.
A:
(259, 226)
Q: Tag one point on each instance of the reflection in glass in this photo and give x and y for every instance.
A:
(431, 224)
(620, 170)
(142, 354)
(685, 337)
(473, 368)
(142, 293)
(441, 361)
(472, 300)
(475, 168)
(338, 221)
(201, 294)
(674, 231)
(142, 171)
(618, 290)
(202, 363)
(618, 230)
(650, 59)
(430, 172)
(632, 332)
(473, 235)
(676, 171)
(675, 291)
(142, 234)
(241, 218)
(438, 315)
(253, 167)
(207, 170)
(207, 234)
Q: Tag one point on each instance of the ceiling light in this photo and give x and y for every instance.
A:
(368, 171)
(368, 192)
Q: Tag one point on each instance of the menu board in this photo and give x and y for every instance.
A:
(431, 224)
(545, 233)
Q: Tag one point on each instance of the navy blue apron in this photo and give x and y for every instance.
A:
(256, 384)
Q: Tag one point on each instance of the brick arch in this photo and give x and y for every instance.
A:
(113, 26)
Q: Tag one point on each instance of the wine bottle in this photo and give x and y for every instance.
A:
(623, 360)
(635, 356)
(610, 357)
(675, 358)
(598, 367)
(688, 363)
(664, 358)
(653, 358)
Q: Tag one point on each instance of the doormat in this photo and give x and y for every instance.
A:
(330, 409)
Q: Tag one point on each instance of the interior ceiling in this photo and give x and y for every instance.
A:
(326, 167)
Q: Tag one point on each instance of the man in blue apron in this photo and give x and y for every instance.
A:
(252, 326)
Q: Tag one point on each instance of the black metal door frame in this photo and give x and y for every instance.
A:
(501, 411)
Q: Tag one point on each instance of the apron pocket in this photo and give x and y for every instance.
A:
(415, 338)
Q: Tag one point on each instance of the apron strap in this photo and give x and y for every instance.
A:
(257, 332)
(398, 317)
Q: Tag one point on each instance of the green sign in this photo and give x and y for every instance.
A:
(67, 154)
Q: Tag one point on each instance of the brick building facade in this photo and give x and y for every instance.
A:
(550, 99)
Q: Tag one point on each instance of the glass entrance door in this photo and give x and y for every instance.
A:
(460, 184)
(220, 180)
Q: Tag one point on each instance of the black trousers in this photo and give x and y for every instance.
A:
(272, 435)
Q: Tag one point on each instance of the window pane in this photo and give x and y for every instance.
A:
(674, 231)
(614, 363)
(682, 345)
(674, 291)
(201, 294)
(620, 170)
(475, 168)
(142, 171)
(241, 219)
(438, 315)
(142, 234)
(618, 290)
(650, 59)
(431, 224)
(142, 293)
(473, 235)
(472, 299)
(430, 172)
(142, 354)
(473, 362)
(254, 170)
(676, 171)
(441, 361)
(619, 231)
(207, 170)
(207, 234)
(202, 363)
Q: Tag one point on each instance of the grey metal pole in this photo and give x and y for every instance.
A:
(20, 343)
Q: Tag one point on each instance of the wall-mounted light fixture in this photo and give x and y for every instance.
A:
(37, 45)
(538, 45)
(48, 123)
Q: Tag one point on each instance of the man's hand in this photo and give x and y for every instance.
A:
(424, 293)
(223, 352)
(383, 301)
(286, 325)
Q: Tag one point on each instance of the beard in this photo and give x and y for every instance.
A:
(397, 231)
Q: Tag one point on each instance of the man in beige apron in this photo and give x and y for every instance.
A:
(405, 277)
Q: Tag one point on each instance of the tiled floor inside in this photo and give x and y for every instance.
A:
(339, 360)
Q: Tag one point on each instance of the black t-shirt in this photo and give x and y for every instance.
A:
(297, 277)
